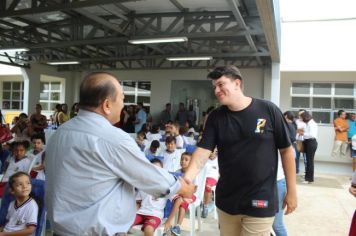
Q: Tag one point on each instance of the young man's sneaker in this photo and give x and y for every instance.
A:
(205, 212)
(176, 230)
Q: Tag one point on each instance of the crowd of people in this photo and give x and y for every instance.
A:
(250, 148)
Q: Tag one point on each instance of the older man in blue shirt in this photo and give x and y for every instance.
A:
(93, 168)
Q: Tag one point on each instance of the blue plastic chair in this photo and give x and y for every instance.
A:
(38, 192)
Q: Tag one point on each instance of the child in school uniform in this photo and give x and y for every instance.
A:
(180, 204)
(153, 150)
(151, 211)
(18, 161)
(171, 156)
(22, 213)
(38, 153)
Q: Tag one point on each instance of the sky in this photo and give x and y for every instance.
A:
(318, 35)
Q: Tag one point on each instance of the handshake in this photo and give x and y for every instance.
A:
(187, 188)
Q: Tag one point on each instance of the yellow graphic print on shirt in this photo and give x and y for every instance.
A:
(260, 125)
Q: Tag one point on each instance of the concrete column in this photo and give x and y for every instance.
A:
(271, 83)
(31, 90)
(275, 82)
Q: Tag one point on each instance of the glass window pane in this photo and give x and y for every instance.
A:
(6, 95)
(129, 86)
(321, 117)
(129, 99)
(301, 88)
(344, 103)
(15, 105)
(322, 89)
(144, 86)
(44, 86)
(344, 89)
(56, 86)
(55, 96)
(144, 99)
(44, 106)
(300, 102)
(16, 95)
(6, 86)
(322, 103)
(44, 96)
(5, 104)
(16, 86)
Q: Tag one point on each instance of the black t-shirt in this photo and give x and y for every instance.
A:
(247, 142)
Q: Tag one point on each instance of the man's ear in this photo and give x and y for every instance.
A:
(106, 106)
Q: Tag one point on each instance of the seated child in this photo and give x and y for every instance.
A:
(19, 160)
(180, 204)
(140, 140)
(152, 151)
(38, 152)
(22, 214)
(151, 210)
(154, 133)
(177, 135)
(171, 155)
(212, 177)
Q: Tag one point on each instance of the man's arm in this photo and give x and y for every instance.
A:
(288, 162)
(199, 158)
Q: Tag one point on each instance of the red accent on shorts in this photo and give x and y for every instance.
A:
(210, 182)
(185, 204)
(152, 221)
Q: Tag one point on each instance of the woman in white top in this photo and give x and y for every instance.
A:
(310, 145)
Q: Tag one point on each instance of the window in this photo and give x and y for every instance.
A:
(50, 95)
(323, 99)
(137, 92)
(12, 95)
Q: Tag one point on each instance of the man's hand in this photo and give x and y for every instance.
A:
(290, 201)
(187, 188)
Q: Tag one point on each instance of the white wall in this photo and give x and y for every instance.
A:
(161, 82)
(326, 132)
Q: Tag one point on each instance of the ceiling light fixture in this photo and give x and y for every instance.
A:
(53, 63)
(189, 58)
(158, 40)
(14, 49)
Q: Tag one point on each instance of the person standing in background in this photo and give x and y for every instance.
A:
(341, 127)
(38, 122)
(166, 116)
(310, 145)
(352, 132)
(141, 117)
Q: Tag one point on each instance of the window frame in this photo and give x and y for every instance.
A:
(136, 93)
(332, 110)
(11, 91)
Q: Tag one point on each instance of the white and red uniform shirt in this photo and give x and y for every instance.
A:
(20, 217)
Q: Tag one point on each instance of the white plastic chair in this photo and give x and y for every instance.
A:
(194, 208)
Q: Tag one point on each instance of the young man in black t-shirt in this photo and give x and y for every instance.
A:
(248, 133)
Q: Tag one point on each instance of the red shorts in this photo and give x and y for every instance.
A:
(210, 182)
(186, 202)
(152, 221)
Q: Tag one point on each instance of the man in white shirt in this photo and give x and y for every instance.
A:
(93, 167)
